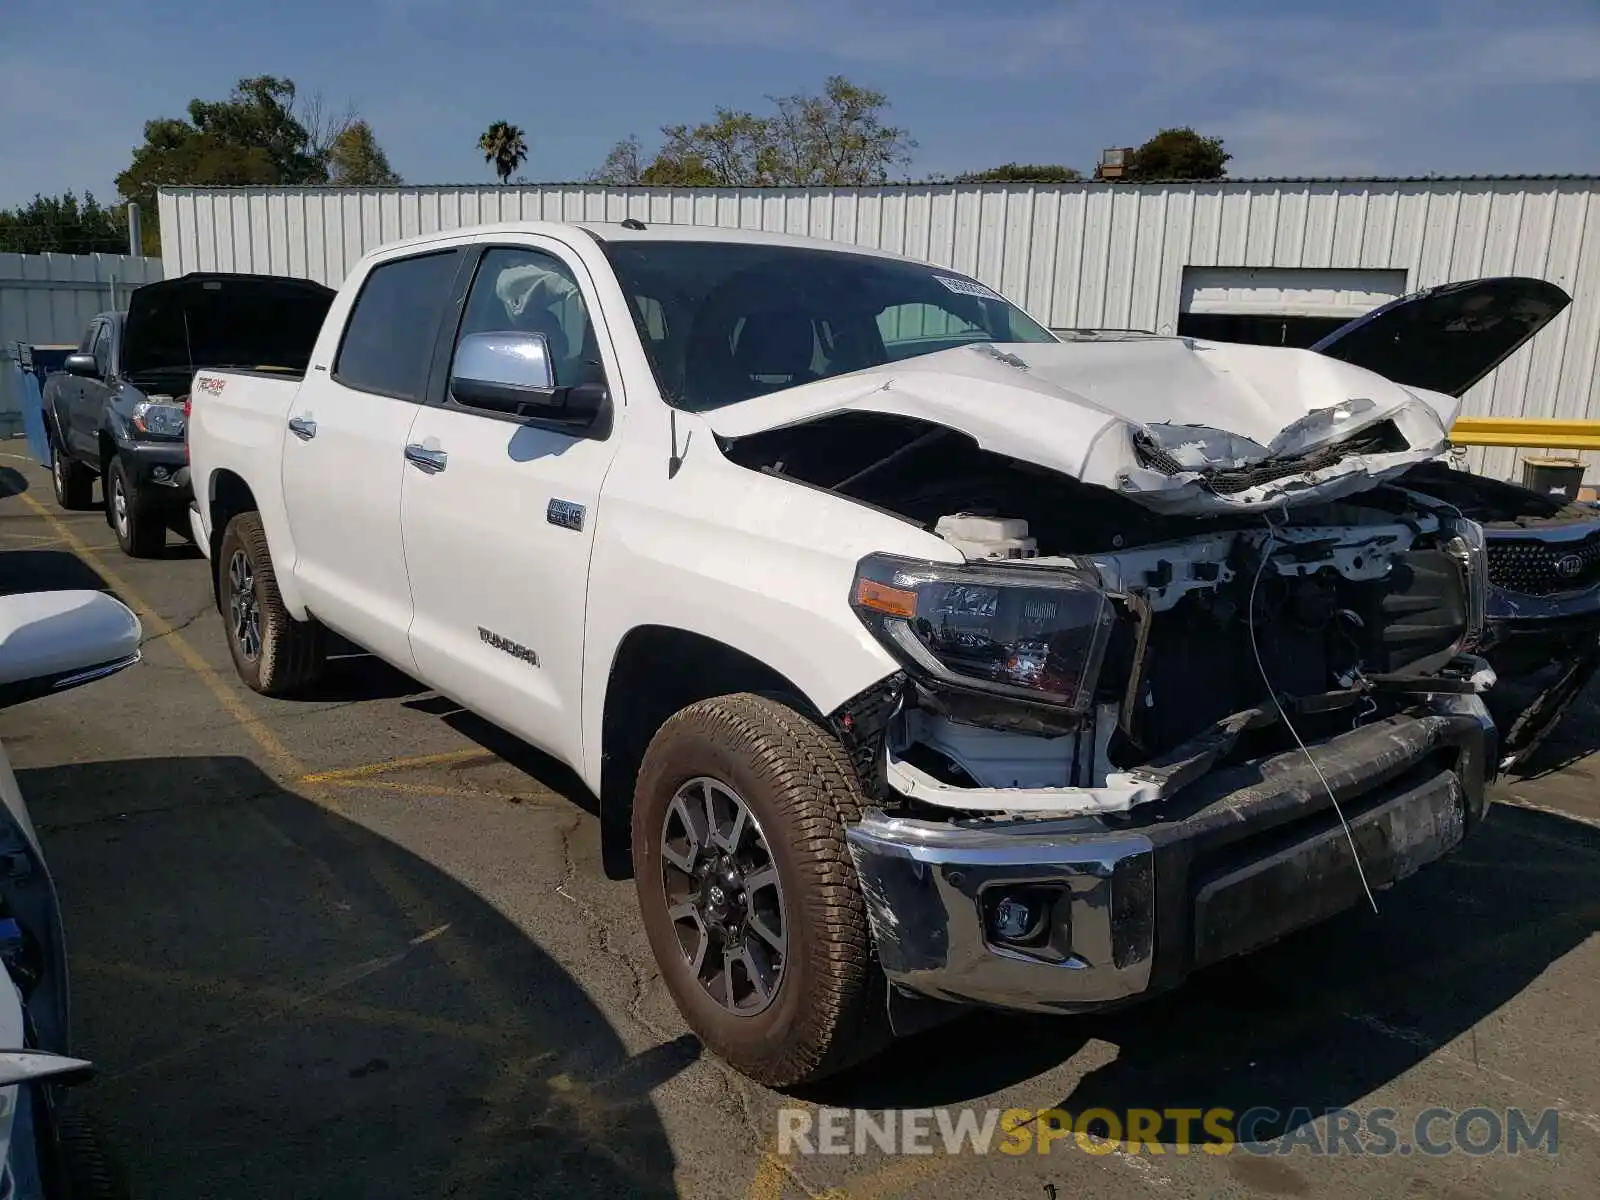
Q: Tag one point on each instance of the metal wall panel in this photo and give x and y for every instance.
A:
(1074, 255)
(49, 299)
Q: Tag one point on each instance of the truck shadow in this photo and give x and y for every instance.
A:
(283, 1003)
(1318, 1021)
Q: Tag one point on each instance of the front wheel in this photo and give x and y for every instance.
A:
(748, 894)
(273, 653)
(72, 481)
(140, 527)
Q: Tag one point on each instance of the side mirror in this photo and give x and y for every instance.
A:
(52, 641)
(510, 372)
(81, 365)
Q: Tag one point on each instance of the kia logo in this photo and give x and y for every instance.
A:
(1569, 566)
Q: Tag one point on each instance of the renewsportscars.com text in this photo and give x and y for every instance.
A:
(1261, 1130)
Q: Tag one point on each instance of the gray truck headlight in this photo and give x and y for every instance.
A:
(1036, 634)
(158, 418)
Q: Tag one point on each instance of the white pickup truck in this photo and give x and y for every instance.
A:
(917, 653)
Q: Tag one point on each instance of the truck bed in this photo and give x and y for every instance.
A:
(236, 427)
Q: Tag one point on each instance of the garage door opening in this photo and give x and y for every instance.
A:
(1279, 306)
(1299, 332)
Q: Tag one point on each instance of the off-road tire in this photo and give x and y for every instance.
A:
(72, 482)
(829, 1010)
(292, 653)
(143, 534)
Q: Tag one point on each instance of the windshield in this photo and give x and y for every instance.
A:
(725, 321)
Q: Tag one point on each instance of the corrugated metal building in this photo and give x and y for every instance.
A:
(49, 299)
(1263, 260)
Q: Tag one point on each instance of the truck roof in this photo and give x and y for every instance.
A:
(616, 232)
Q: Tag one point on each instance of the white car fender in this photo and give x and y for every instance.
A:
(761, 564)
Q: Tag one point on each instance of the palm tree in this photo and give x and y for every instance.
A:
(504, 146)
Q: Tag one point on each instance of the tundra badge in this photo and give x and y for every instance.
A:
(491, 638)
(566, 514)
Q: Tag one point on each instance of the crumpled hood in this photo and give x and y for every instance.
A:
(1180, 425)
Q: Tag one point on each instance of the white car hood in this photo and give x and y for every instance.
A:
(1077, 408)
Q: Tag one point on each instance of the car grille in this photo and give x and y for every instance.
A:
(1538, 568)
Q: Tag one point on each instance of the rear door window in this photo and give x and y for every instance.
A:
(388, 341)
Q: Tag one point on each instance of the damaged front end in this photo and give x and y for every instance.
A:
(1123, 744)
(1098, 682)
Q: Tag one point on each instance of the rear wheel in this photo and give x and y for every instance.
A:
(748, 894)
(139, 525)
(73, 482)
(274, 654)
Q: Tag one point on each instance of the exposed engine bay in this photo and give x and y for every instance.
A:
(1191, 641)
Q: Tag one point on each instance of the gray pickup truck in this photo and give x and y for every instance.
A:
(117, 411)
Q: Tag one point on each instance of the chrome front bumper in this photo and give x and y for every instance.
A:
(1130, 905)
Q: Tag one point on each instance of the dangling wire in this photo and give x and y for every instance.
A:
(1266, 555)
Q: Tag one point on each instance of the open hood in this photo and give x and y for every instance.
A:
(1449, 337)
(1179, 425)
(213, 320)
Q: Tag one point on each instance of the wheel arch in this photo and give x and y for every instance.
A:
(656, 671)
(226, 496)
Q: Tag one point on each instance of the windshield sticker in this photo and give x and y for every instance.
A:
(965, 287)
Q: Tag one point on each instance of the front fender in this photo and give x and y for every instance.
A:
(761, 564)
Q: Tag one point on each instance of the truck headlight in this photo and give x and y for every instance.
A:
(1029, 633)
(158, 418)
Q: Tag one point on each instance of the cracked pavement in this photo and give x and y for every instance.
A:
(384, 961)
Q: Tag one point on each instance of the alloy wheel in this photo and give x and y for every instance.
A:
(723, 896)
(244, 607)
(119, 504)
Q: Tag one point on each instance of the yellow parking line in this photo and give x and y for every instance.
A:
(344, 774)
(771, 1175)
(892, 1179)
(774, 1173)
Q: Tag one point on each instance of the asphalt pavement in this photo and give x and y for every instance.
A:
(361, 946)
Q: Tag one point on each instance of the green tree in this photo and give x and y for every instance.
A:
(679, 169)
(839, 138)
(505, 146)
(63, 225)
(356, 160)
(1022, 173)
(263, 133)
(733, 150)
(261, 113)
(624, 165)
(1180, 154)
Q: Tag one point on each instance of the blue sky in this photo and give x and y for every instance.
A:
(1396, 87)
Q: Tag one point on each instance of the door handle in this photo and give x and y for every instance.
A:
(303, 428)
(431, 461)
